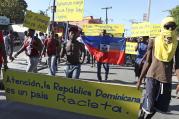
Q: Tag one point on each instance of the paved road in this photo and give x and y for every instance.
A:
(118, 74)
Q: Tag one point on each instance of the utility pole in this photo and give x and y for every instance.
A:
(148, 13)
(53, 15)
(107, 8)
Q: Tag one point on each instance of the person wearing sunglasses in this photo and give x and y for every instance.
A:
(158, 70)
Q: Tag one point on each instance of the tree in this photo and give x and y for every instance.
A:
(13, 9)
(43, 13)
(175, 13)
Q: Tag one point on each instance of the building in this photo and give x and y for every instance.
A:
(87, 20)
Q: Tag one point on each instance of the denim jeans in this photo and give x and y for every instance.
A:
(52, 65)
(32, 64)
(73, 71)
(106, 68)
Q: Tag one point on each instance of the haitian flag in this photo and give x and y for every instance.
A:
(106, 49)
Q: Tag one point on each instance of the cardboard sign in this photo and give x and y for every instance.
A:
(155, 30)
(36, 21)
(130, 48)
(70, 10)
(97, 29)
(145, 29)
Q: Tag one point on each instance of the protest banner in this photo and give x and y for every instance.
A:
(130, 48)
(140, 29)
(36, 21)
(83, 97)
(145, 29)
(96, 29)
(155, 30)
(70, 10)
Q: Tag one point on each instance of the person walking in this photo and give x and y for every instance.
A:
(105, 65)
(51, 47)
(140, 58)
(158, 70)
(32, 47)
(73, 50)
(8, 42)
(59, 40)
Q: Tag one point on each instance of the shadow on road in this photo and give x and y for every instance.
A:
(121, 82)
(95, 72)
(174, 108)
(113, 81)
(126, 68)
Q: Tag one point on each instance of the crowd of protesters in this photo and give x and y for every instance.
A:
(41, 45)
(153, 61)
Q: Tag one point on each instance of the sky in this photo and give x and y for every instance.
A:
(122, 12)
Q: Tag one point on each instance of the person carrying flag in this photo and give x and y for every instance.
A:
(105, 65)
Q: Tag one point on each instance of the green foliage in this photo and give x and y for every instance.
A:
(13, 9)
(175, 13)
(43, 13)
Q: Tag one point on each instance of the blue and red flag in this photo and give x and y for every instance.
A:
(106, 49)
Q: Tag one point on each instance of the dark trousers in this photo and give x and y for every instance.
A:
(106, 68)
(138, 69)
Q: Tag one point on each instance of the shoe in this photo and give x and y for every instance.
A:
(100, 80)
(106, 78)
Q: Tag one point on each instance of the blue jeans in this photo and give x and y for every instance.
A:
(106, 68)
(52, 65)
(73, 71)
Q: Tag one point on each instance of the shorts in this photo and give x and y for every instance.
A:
(157, 96)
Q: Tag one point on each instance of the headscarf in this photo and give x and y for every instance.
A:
(163, 51)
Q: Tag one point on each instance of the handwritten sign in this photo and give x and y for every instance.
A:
(145, 29)
(36, 21)
(70, 10)
(155, 30)
(130, 48)
(97, 29)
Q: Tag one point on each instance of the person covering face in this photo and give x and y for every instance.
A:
(166, 42)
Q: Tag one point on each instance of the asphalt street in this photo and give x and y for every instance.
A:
(117, 75)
